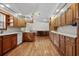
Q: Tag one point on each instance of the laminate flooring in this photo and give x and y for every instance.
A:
(41, 47)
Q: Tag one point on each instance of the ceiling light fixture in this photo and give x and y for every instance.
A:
(62, 10)
(7, 5)
(57, 10)
(2, 5)
(19, 14)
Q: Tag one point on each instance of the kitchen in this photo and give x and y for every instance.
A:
(41, 29)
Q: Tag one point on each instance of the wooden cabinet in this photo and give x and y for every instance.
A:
(19, 22)
(51, 36)
(56, 39)
(62, 44)
(69, 16)
(14, 40)
(10, 20)
(70, 46)
(63, 19)
(22, 23)
(28, 37)
(77, 10)
(6, 43)
(0, 45)
(42, 33)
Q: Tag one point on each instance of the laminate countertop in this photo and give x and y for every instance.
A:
(65, 34)
(8, 33)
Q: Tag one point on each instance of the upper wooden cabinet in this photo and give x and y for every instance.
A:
(63, 19)
(9, 20)
(77, 10)
(69, 16)
(15, 22)
(2, 21)
(19, 22)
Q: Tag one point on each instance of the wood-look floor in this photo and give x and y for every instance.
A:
(41, 47)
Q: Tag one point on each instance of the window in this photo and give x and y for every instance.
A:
(2, 21)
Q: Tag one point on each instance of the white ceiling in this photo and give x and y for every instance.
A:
(45, 9)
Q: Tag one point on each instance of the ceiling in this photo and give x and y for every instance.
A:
(45, 10)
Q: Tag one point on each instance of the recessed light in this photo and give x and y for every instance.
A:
(57, 10)
(19, 14)
(7, 5)
(62, 10)
(1, 5)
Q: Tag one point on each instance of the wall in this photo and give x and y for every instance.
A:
(68, 29)
(36, 26)
(11, 30)
(41, 26)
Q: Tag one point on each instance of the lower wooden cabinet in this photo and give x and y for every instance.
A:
(51, 36)
(56, 40)
(7, 42)
(62, 44)
(28, 37)
(70, 46)
(42, 33)
(13, 41)
(0, 45)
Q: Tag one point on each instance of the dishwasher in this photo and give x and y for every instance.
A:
(19, 38)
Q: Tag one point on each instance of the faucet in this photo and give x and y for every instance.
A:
(1, 31)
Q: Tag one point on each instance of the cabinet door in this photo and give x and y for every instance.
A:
(0, 45)
(62, 20)
(62, 44)
(77, 10)
(15, 22)
(70, 46)
(69, 16)
(56, 39)
(28, 37)
(6, 43)
(14, 40)
(51, 37)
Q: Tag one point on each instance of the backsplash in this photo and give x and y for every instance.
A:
(10, 30)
